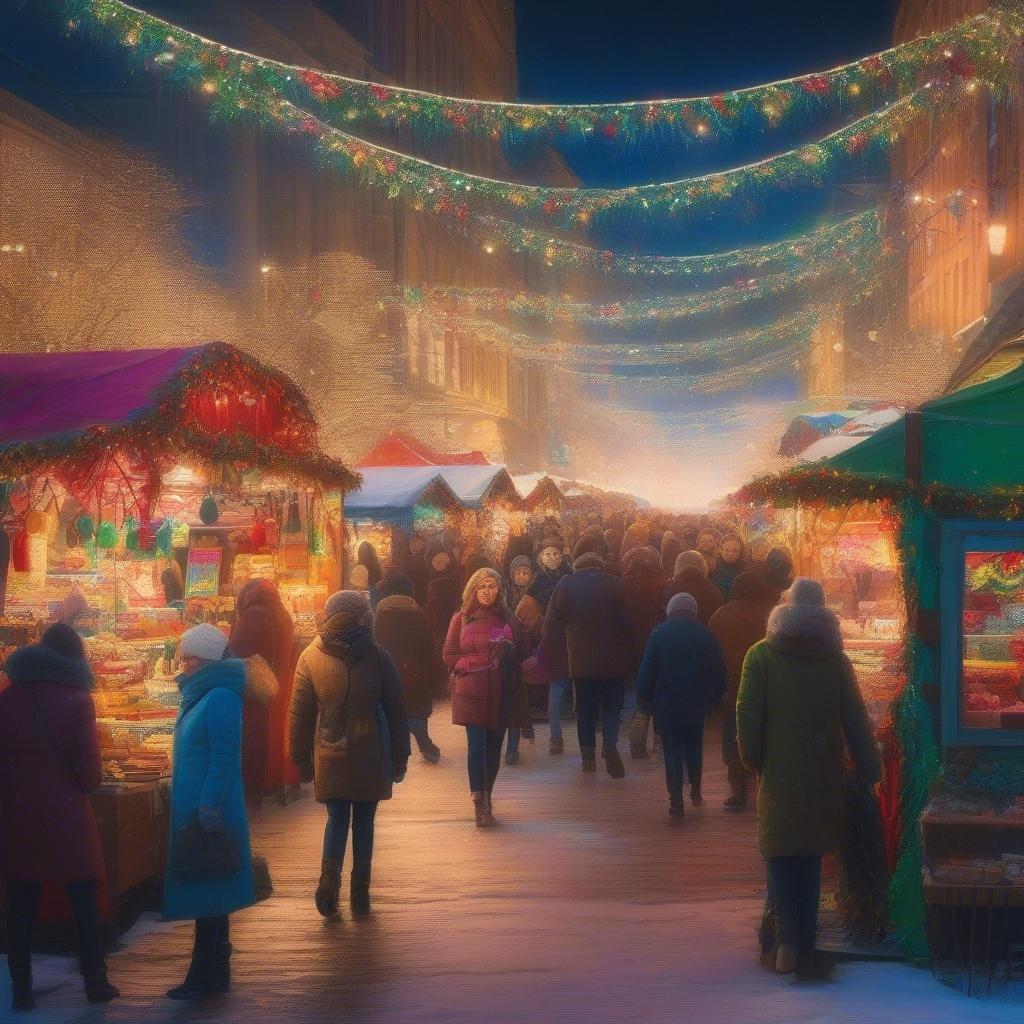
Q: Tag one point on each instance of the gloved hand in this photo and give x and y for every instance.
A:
(210, 819)
(398, 775)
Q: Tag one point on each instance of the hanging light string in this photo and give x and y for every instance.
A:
(553, 351)
(973, 47)
(841, 276)
(455, 194)
(495, 235)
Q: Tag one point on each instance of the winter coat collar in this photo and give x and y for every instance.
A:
(397, 602)
(38, 664)
(805, 632)
(589, 562)
(349, 645)
(229, 674)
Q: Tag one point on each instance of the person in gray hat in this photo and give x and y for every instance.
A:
(348, 731)
(682, 680)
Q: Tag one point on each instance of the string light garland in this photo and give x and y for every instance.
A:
(496, 235)
(974, 47)
(842, 274)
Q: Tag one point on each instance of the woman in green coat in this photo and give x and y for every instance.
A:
(797, 710)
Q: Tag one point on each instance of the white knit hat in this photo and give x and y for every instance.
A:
(205, 642)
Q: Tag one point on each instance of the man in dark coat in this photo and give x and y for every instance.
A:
(737, 626)
(691, 577)
(401, 628)
(682, 680)
(551, 567)
(49, 763)
(587, 638)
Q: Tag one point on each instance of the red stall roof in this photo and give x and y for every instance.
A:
(397, 449)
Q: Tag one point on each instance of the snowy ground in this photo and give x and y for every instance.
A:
(584, 906)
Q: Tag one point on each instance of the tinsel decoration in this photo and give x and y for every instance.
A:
(863, 880)
(971, 47)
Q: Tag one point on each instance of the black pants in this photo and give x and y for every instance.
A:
(211, 938)
(684, 755)
(22, 903)
(599, 700)
(794, 889)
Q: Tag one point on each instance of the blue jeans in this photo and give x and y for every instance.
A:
(556, 694)
(483, 757)
(339, 813)
(599, 698)
(794, 890)
(684, 755)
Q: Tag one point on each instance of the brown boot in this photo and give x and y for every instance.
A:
(326, 897)
(488, 811)
(479, 810)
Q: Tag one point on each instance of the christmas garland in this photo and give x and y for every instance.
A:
(974, 47)
(456, 195)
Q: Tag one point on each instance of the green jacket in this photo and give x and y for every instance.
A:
(798, 703)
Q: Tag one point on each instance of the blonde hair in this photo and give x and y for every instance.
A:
(469, 601)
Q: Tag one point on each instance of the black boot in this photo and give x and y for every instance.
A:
(589, 758)
(200, 981)
(223, 968)
(97, 988)
(359, 892)
(21, 989)
(613, 762)
(326, 896)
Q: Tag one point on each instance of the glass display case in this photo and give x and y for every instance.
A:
(982, 611)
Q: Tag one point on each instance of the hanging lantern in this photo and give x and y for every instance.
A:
(294, 522)
(20, 560)
(209, 513)
(106, 536)
(35, 522)
(86, 528)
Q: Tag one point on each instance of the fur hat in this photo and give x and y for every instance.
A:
(205, 642)
(805, 593)
(64, 640)
(691, 560)
(347, 602)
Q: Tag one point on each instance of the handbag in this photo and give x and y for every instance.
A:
(202, 855)
(476, 696)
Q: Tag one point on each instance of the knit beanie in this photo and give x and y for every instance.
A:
(520, 562)
(682, 606)
(549, 542)
(806, 593)
(691, 560)
(205, 642)
(350, 603)
(64, 640)
(589, 544)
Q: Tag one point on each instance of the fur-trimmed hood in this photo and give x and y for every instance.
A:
(260, 681)
(37, 663)
(397, 603)
(805, 631)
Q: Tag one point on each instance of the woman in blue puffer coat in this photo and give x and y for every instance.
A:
(208, 803)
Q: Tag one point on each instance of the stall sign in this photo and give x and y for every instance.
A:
(202, 572)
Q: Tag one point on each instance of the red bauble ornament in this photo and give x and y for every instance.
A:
(610, 131)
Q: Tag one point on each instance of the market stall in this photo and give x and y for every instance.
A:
(395, 502)
(947, 485)
(492, 507)
(140, 491)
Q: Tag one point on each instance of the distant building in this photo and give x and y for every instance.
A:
(293, 263)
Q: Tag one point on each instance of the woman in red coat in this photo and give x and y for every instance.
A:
(264, 627)
(49, 763)
(484, 649)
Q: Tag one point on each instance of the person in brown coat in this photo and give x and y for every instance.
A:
(49, 764)
(738, 625)
(691, 577)
(348, 731)
(402, 629)
(264, 627)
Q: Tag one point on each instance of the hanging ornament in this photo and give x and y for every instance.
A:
(294, 522)
(106, 536)
(20, 560)
(86, 528)
(35, 522)
(209, 513)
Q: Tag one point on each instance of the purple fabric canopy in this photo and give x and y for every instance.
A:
(44, 396)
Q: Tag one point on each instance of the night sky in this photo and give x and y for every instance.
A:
(578, 51)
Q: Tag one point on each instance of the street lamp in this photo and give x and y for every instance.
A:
(996, 239)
